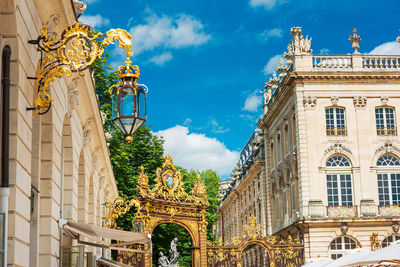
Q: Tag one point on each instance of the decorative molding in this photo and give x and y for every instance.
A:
(73, 94)
(95, 161)
(338, 148)
(309, 101)
(360, 101)
(387, 148)
(334, 100)
(384, 100)
(87, 132)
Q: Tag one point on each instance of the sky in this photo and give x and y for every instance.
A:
(206, 61)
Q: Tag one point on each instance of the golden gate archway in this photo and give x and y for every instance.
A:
(168, 202)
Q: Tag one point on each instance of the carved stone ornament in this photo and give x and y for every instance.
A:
(360, 101)
(52, 23)
(309, 101)
(334, 100)
(395, 228)
(87, 132)
(384, 100)
(355, 39)
(387, 148)
(338, 148)
(79, 6)
(95, 161)
(344, 228)
(300, 45)
(73, 94)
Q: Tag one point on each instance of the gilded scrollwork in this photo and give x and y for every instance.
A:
(75, 51)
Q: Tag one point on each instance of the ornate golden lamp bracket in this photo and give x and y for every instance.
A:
(75, 51)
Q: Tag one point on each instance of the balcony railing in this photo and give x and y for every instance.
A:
(336, 131)
(332, 62)
(386, 130)
(354, 62)
(389, 210)
(341, 211)
(375, 62)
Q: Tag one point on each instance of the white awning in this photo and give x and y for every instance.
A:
(97, 234)
(389, 255)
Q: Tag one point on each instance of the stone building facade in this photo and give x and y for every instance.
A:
(332, 149)
(58, 163)
(245, 197)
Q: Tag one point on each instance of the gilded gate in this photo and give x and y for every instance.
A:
(281, 252)
(168, 202)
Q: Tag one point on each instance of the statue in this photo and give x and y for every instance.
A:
(174, 253)
(163, 261)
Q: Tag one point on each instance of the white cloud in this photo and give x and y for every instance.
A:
(169, 32)
(161, 59)
(197, 151)
(216, 128)
(253, 101)
(324, 51)
(271, 33)
(272, 63)
(267, 4)
(389, 48)
(94, 21)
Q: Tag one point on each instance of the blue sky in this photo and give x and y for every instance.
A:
(205, 61)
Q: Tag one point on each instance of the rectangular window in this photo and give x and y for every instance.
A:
(339, 190)
(385, 121)
(383, 189)
(335, 121)
(389, 190)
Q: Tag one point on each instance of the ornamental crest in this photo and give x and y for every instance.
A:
(169, 185)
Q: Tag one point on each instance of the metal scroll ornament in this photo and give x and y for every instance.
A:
(75, 51)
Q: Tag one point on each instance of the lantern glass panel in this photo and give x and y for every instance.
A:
(138, 123)
(127, 104)
(141, 103)
(118, 123)
(114, 101)
(127, 123)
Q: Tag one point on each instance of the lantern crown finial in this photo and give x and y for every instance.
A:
(128, 71)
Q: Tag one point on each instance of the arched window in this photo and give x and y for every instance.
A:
(338, 180)
(335, 121)
(388, 177)
(390, 239)
(339, 246)
(385, 121)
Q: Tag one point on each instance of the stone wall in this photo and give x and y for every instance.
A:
(62, 154)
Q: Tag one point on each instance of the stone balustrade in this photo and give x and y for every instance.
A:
(375, 62)
(347, 63)
(332, 62)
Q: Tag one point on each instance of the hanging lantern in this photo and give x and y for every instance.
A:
(128, 100)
